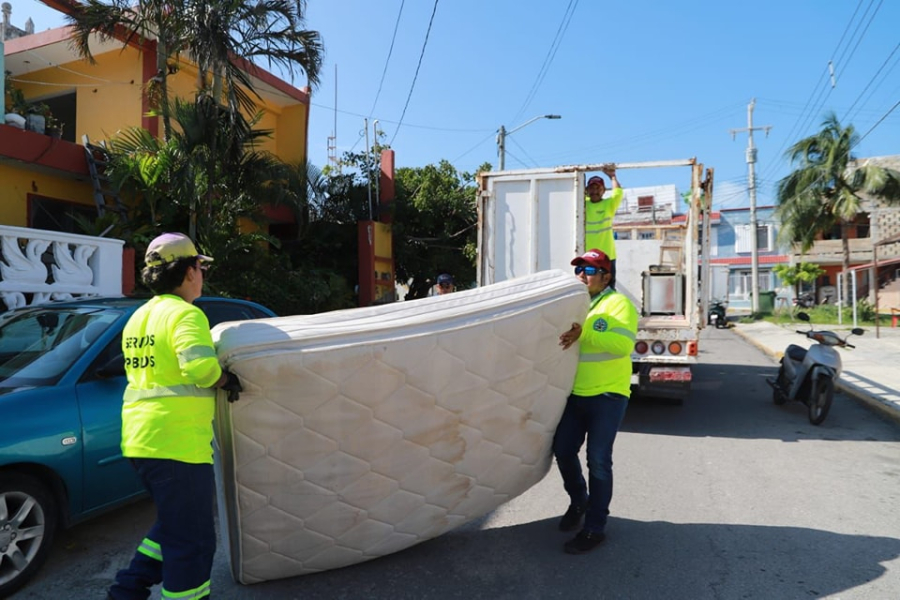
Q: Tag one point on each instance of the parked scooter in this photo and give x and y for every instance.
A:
(805, 300)
(716, 316)
(809, 375)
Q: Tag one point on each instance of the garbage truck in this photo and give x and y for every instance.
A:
(533, 220)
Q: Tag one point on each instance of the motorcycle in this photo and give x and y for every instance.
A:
(716, 316)
(809, 376)
(805, 300)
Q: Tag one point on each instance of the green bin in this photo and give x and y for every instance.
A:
(767, 302)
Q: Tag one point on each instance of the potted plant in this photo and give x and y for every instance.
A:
(54, 127)
(16, 106)
(36, 117)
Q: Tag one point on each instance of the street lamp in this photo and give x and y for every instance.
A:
(501, 136)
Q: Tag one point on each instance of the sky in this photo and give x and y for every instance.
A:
(632, 81)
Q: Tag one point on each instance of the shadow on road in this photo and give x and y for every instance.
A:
(639, 560)
(731, 400)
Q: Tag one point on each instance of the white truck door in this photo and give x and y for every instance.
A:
(531, 221)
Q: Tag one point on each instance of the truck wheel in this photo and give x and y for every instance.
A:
(27, 525)
(820, 400)
(778, 396)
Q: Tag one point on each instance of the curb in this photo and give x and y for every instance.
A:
(885, 408)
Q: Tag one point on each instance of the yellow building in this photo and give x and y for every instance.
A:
(46, 179)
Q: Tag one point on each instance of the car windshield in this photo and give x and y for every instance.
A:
(38, 346)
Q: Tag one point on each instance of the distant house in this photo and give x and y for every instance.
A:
(731, 246)
(46, 179)
(876, 230)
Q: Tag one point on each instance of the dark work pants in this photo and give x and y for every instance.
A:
(178, 551)
(597, 418)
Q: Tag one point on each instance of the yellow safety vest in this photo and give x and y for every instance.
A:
(171, 365)
(598, 223)
(607, 339)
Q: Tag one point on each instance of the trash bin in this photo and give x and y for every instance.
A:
(767, 302)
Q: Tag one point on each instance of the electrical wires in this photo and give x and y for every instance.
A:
(416, 76)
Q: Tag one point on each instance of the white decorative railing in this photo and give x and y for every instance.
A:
(38, 266)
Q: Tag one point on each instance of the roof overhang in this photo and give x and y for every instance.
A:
(51, 48)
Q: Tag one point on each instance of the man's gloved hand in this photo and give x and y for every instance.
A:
(233, 386)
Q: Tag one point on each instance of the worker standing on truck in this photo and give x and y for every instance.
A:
(167, 415)
(599, 213)
(596, 406)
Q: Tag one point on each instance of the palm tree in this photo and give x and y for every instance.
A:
(216, 34)
(825, 189)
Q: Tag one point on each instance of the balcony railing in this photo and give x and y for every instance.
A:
(833, 250)
(38, 266)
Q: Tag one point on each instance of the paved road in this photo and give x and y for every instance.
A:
(726, 497)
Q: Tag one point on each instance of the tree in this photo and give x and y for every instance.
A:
(824, 190)
(435, 226)
(215, 35)
(794, 275)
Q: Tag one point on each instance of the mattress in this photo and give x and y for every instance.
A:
(363, 432)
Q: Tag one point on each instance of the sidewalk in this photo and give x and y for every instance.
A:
(871, 370)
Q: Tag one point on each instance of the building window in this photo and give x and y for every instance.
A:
(623, 235)
(58, 215)
(743, 241)
(647, 235)
(645, 203)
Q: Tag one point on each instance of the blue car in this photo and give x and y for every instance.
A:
(62, 377)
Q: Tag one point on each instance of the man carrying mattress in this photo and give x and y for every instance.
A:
(597, 404)
(167, 414)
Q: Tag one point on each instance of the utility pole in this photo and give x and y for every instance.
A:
(332, 139)
(502, 133)
(751, 174)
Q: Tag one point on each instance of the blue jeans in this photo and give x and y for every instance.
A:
(178, 551)
(598, 418)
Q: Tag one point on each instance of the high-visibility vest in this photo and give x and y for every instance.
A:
(172, 366)
(607, 339)
(598, 223)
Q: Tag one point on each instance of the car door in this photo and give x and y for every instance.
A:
(109, 477)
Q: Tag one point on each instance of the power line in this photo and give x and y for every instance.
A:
(519, 146)
(416, 76)
(871, 81)
(548, 58)
(483, 140)
(797, 128)
(388, 60)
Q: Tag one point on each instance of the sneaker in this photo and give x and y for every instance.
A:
(572, 519)
(585, 541)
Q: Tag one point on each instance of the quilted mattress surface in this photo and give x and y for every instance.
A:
(362, 432)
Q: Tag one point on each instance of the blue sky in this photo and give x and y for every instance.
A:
(633, 81)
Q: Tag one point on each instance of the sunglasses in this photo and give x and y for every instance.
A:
(588, 270)
(445, 285)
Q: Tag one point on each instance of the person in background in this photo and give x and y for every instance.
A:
(597, 404)
(599, 213)
(445, 284)
(167, 430)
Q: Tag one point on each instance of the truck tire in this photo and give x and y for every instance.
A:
(820, 399)
(27, 526)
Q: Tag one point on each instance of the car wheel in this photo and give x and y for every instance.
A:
(27, 524)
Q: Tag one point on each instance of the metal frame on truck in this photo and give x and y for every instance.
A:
(533, 220)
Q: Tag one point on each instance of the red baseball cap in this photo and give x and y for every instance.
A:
(596, 179)
(595, 258)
